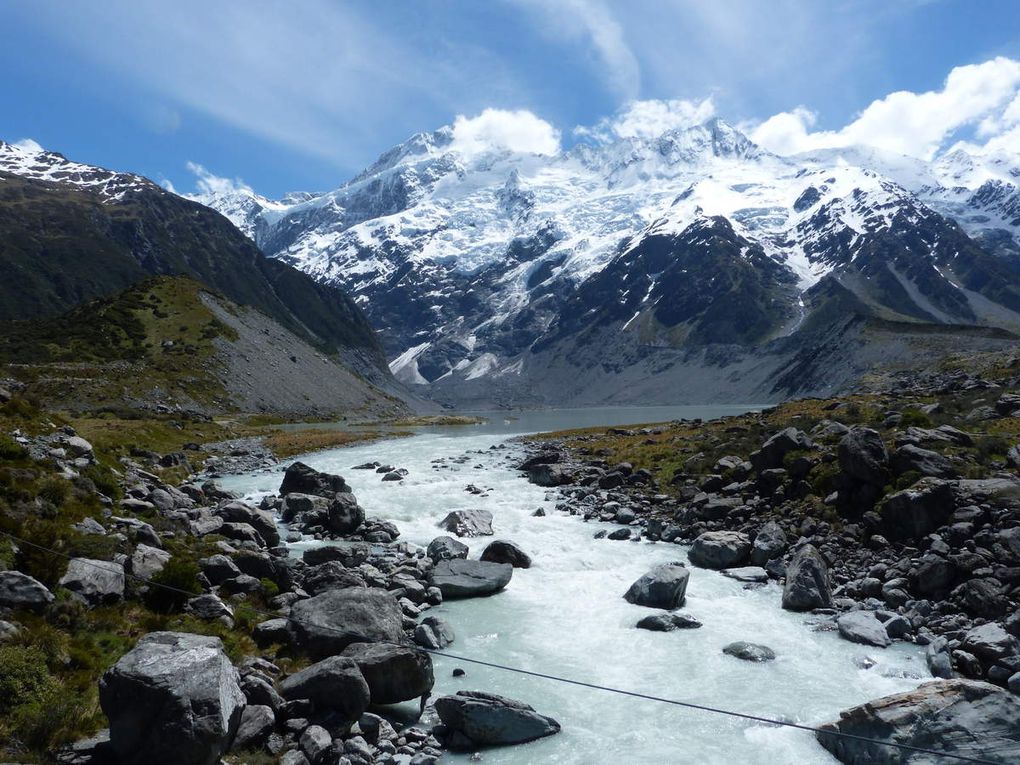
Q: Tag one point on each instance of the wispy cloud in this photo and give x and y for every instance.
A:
(594, 24)
(982, 96)
(209, 183)
(316, 76)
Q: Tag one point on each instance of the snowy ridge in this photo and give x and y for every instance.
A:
(439, 246)
(38, 164)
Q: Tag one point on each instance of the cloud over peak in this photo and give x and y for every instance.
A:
(517, 131)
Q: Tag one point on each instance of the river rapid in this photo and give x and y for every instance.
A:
(566, 615)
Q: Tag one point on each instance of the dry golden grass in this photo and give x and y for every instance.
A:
(287, 443)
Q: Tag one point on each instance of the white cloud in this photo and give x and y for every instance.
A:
(28, 145)
(592, 22)
(983, 96)
(519, 131)
(208, 183)
(651, 118)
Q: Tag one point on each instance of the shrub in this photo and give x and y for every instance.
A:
(55, 490)
(11, 449)
(23, 674)
(991, 448)
(104, 480)
(915, 418)
(181, 574)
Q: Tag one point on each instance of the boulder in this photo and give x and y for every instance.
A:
(344, 514)
(772, 452)
(807, 581)
(720, 549)
(94, 581)
(915, 512)
(924, 461)
(459, 578)
(965, 717)
(18, 590)
(468, 523)
(668, 622)
(863, 456)
(485, 719)
(501, 551)
(219, 568)
(328, 623)
(434, 632)
(394, 673)
(664, 586)
(746, 574)
(549, 475)
(863, 627)
(209, 607)
(173, 699)
(446, 548)
(749, 651)
(335, 684)
(990, 642)
(257, 722)
(303, 479)
(146, 562)
(770, 542)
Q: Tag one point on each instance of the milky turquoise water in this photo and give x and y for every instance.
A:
(565, 616)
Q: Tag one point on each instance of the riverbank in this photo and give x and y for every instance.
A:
(910, 495)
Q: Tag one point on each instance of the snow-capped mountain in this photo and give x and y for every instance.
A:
(487, 268)
(40, 165)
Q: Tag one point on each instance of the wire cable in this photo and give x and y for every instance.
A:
(545, 676)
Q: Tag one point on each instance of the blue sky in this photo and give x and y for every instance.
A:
(302, 95)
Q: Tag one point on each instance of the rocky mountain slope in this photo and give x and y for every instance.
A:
(169, 344)
(71, 232)
(515, 278)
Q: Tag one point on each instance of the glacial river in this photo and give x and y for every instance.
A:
(565, 616)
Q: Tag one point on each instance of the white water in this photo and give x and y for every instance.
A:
(565, 616)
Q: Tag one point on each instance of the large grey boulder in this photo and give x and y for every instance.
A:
(964, 717)
(863, 627)
(335, 683)
(303, 479)
(459, 578)
(924, 461)
(468, 523)
(664, 586)
(174, 699)
(917, 511)
(770, 542)
(502, 551)
(549, 475)
(745, 651)
(667, 622)
(260, 520)
(257, 722)
(328, 623)
(990, 642)
(446, 548)
(807, 581)
(94, 581)
(434, 632)
(146, 561)
(18, 590)
(863, 456)
(344, 515)
(485, 719)
(778, 446)
(394, 673)
(720, 549)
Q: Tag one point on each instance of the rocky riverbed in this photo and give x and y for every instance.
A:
(317, 594)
